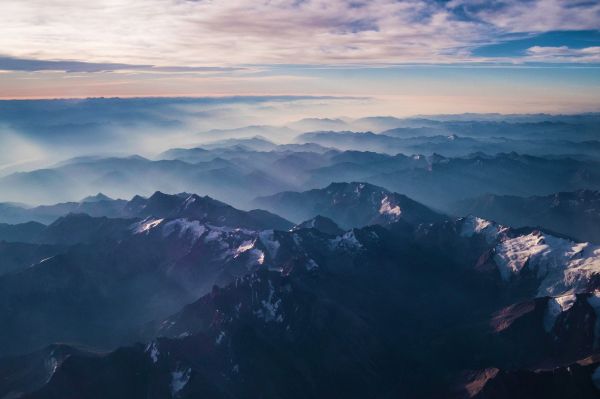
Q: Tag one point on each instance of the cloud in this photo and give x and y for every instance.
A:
(171, 33)
(16, 64)
(563, 54)
(533, 15)
(32, 65)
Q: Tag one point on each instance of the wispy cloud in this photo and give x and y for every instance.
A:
(31, 65)
(178, 34)
(563, 54)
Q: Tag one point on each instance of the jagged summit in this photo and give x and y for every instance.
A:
(350, 205)
(322, 224)
(204, 209)
(96, 198)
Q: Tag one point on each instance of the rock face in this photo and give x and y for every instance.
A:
(349, 205)
(204, 209)
(321, 223)
(308, 313)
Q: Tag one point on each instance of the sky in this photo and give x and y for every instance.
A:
(407, 57)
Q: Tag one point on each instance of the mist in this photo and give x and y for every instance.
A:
(236, 149)
(37, 133)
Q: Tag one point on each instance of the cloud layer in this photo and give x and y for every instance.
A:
(217, 33)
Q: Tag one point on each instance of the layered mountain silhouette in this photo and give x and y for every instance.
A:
(574, 213)
(455, 256)
(349, 205)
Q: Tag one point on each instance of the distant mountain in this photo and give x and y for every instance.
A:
(124, 177)
(256, 143)
(377, 123)
(428, 141)
(349, 205)
(276, 133)
(440, 181)
(159, 204)
(311, 124)
(96, 198)
(548, 127)
(203, 209)
(237, 175)
(576, 213)
(99, 205)
(76, 228)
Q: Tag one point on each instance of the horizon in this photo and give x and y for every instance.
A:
(427, 56)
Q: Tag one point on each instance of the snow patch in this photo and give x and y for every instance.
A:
(348, 241)
(189, 201)
(152, 350)
(246, 246)
(179, 380)
(555, 307)
(562, 265)
(190, 228)
(145, 225)
(256, 257)
(270, 307)
(51, 365)
(387, 208)
(267, 238)
(473, 225)
(220, 338)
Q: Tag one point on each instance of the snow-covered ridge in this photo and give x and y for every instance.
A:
(230, 243)
(472, 225)
(563, 266)
(145, 225)
(192, 228)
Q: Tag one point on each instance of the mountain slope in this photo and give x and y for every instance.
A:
(349, 205)
(22, 232)
(203, 209)
(322, 224)
(330, 315)
(576, 213)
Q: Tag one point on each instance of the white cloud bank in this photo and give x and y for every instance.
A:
(240, 32)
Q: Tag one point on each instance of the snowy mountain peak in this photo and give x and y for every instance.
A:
(562, 266)
(473, 225)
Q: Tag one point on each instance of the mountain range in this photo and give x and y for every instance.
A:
(462, 307)
(436, 256)
(576, 213)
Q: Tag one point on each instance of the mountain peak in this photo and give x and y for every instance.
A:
(354, 204)
(96, 198)
(322, 224)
